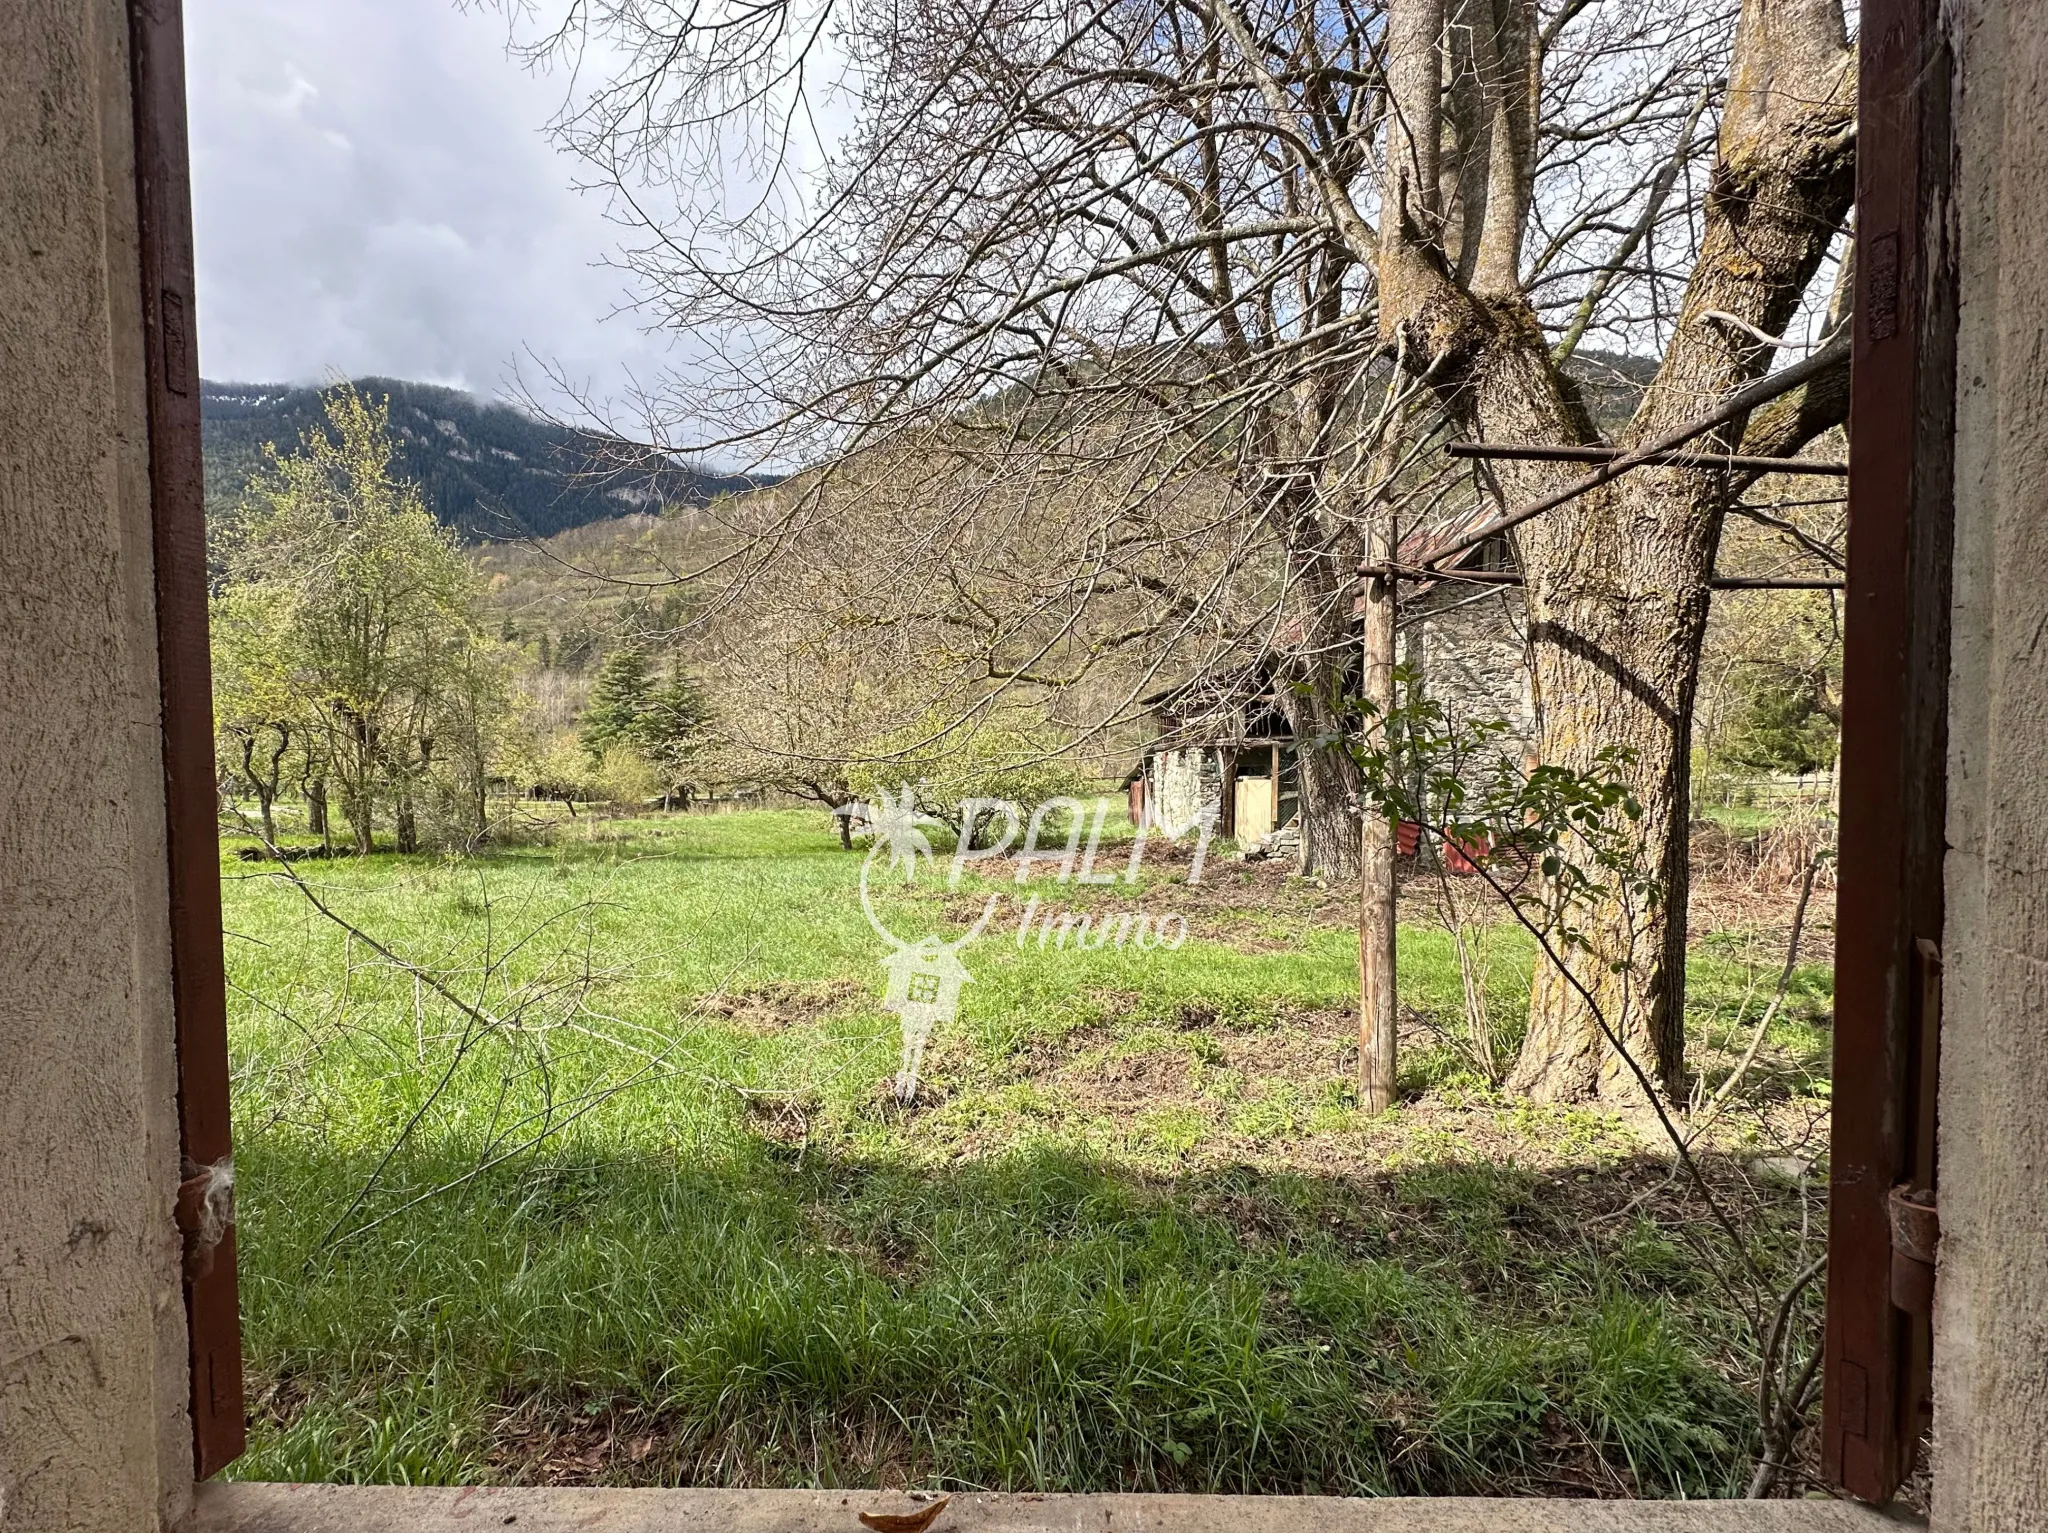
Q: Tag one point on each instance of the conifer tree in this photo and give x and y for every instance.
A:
(621, 697)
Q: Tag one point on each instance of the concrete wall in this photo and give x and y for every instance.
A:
(1991, 1368)
(92, 1347)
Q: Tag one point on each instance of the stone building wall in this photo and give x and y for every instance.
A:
(1472, 652)
(1991, 1290)
(1184, 783)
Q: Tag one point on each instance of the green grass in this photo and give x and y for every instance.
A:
(1137, 1238)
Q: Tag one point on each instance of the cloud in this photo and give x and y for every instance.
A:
(373, 194)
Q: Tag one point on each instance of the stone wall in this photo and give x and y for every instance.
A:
(93, 1435)
(1184, 783)
(1472, 652)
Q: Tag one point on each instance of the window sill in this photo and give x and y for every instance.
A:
(250, 1507)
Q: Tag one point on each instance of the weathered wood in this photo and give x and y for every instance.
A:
(1894, 738)
(1378, 1009)
(177, 502)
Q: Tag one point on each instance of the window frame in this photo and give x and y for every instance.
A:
(1893, 748)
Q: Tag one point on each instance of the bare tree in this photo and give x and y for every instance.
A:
(1617, 579)
(1058, 243)
(1168, 247)
(866, 658)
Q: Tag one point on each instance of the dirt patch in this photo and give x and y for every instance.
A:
(781, 1118)
(771, 1008)
(884, 1103)
(544, 1441)
(550, 1443)
(1279, 1097)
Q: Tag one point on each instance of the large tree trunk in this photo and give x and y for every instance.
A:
(1318, 684)
(1319, 680)
(1325, 772)
(355, 768)
(1615, 626)
(360, 811)
(1617, 580)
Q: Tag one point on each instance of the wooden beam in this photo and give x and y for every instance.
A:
(185, 676)
(1894, 739)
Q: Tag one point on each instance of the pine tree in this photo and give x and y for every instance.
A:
(670, 732)
(619, 699)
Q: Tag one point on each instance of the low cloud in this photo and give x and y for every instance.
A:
(373, 194)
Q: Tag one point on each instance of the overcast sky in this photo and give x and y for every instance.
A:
(373, 195)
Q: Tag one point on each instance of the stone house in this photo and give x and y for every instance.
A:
(1226, 743)
(1223, 746)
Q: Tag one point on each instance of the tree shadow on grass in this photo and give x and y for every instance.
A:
(1034, 1321)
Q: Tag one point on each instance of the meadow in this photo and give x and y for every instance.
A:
(577, 1162)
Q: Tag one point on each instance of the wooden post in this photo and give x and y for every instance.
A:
(1895, 656)
(1378, 1012)
(1226, 809)
(184, 672)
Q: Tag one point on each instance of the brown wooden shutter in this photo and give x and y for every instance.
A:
(1894, 756)
(177, 498)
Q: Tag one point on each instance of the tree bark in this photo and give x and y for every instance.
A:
(355, 764)
(360, 810)
(1316, 676)
(1318, 711)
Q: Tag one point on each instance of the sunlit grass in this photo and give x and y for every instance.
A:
(699, 1230)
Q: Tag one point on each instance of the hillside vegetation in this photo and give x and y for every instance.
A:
(486, 470)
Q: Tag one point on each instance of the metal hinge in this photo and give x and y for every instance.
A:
(1916, 1240)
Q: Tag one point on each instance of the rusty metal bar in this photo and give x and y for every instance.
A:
(1678, 459)
(178, 516)
(1894, 747)
(1514, 578)
(1737, 405)
(1772, 583)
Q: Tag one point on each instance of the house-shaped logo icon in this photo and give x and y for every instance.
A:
(924, 989)
(924, 983)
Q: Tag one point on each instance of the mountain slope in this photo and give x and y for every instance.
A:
(486, 470)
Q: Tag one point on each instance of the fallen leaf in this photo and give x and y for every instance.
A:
(907, 1522)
